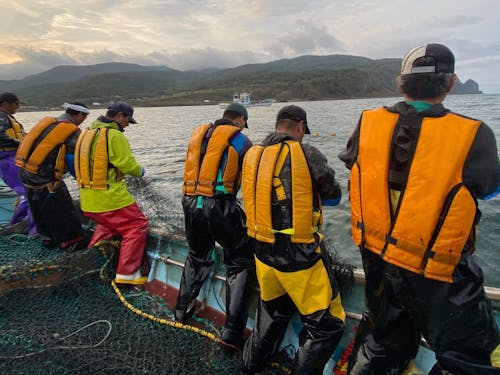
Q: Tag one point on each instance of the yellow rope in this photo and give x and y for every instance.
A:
(171, 323)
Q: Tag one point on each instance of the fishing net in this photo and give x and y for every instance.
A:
(59, 322)
(60, 313)
(164, 214)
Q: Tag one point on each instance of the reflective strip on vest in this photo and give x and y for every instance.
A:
(200, 172)
(260, 166)
(30, 157)
(92, 170)
(436, 212)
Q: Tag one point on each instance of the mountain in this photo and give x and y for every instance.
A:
(302, 78)
(68, 73)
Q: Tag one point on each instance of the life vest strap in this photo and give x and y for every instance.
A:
(278, 186)
(288, 231)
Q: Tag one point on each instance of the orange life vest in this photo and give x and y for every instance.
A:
(436, 211)
(15, 132)
(260, 175)
(200, 172)
(92, 173)
(30, 158)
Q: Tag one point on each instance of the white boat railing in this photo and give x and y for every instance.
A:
(492, 293)
(359, 277)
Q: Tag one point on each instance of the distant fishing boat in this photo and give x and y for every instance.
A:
(245, 98)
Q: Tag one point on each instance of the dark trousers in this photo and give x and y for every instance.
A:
(456, 320)
(217, 220)
(55, 215)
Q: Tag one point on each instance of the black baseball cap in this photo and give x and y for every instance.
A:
(293, 112)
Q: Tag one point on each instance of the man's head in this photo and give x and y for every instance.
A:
(292, 120)
(237, 113)
(427, 72)
(9, 103)
(78, 111)
(122, 113)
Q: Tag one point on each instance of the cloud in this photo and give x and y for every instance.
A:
(306, 38)
(193, 34)
(35, 61)
(455, 21)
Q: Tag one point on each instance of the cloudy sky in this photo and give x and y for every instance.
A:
(36, 35)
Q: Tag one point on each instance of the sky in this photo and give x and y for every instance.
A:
(37, 35)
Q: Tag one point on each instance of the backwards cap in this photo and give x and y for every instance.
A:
(429, 58)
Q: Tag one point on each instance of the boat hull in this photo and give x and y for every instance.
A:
(167, 260)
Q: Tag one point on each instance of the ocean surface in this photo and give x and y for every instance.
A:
(160, 139)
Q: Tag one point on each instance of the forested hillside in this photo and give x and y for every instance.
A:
(301, 78)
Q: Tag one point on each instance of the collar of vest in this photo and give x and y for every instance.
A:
(275, 138)
(437, 110)
(104, 122)
(224, 121)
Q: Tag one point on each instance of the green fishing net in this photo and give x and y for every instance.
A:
(59, 313)
(76, 324)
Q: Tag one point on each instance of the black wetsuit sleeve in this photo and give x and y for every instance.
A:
(70, 142)
(322, 175)
(350, 154)
(481, 173)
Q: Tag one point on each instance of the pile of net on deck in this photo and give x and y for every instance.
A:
(59, 313)
(56, 323)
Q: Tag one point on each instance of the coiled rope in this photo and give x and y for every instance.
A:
(135, 310)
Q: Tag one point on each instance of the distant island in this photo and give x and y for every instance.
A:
(469, 87)
(298, 79)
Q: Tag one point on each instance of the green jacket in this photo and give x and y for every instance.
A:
(120, 158)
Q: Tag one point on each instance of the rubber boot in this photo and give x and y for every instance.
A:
(193, 277)
(237, 292)
(370, 358)
(271, 321)
(318, 339)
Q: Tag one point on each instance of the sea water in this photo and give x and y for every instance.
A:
(160, 139)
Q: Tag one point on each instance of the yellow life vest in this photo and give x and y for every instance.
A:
(435, 216)
(92, 173)
(260, 175)
(31, 158)
(15, 132)
(200, 172)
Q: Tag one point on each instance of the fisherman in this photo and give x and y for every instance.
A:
(44, 156)
(417, 170)
(102, 158)
(285, 184)
(212, 213)
(11, 135)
